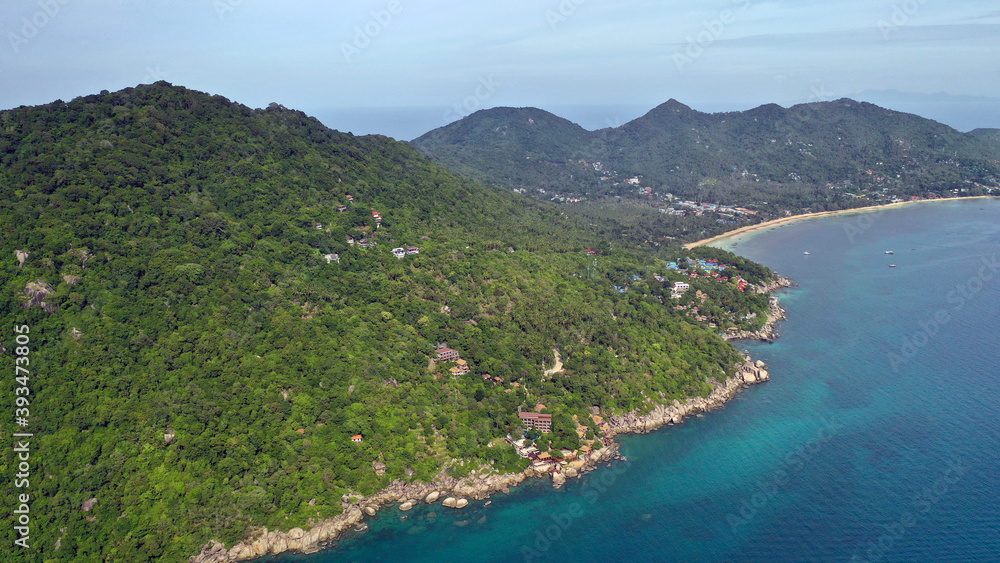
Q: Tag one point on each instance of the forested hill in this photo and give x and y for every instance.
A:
(991, 136)
(214, 312)
(808, 153)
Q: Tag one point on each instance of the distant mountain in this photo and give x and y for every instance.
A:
(510, 146)
(988, 135)
(769, 153)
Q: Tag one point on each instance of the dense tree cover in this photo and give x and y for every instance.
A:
(819, 156)
(200, 368)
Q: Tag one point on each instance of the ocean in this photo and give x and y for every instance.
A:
(877, 438)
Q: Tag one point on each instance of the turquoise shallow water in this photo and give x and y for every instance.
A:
(877, 438)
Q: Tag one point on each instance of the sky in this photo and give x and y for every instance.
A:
(404, 67)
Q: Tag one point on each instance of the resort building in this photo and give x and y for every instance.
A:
(446, 354)
(538, 421)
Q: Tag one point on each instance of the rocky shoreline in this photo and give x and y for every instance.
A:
(455, 493)
(748, 373)
(451, 492)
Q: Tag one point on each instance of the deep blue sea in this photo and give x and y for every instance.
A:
(877, 438)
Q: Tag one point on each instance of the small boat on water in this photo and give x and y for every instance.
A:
(806, 253)
(889, 252)
(892, 265)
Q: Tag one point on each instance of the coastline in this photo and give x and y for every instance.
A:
(804, 216)
(449, 492)
(455, 493)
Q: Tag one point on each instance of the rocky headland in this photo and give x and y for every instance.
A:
(775, 313)
(454, 493)
(747, 373)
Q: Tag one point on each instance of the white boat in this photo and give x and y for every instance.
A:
(806, 253)
(888, 252)
(892, 265)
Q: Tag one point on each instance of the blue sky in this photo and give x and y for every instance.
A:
(402, 67)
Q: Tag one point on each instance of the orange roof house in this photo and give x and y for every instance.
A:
(356, 438)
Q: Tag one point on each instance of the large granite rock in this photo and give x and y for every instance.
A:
(558, 479)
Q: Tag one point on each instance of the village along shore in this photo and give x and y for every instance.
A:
(796, 218)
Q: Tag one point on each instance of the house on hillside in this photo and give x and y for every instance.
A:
(356, 438)
(446, 354)
(412, 250)
(398, 253)
(461, 367)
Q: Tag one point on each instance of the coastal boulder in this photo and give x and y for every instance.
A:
(406, 506)
(370, 510)
(432, 497)
(462, 503)
(558, 479)
(570, 472)
(450, 502)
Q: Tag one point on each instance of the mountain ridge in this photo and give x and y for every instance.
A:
(804, 148)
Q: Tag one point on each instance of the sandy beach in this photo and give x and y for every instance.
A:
(795, 218)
